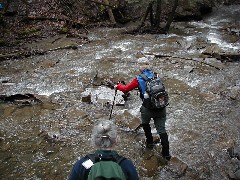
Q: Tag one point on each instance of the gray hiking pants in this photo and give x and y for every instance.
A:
(158, 115)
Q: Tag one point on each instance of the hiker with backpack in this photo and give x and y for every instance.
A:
(105, 163)
(155, 100)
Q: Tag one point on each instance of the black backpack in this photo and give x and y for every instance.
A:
(106, 168)
(156, 92)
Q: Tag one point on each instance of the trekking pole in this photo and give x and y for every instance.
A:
(113, 104)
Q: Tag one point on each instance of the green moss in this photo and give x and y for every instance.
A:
(64, 30)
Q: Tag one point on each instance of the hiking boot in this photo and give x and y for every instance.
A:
(148, 134)
(168, 158)
(165, 146)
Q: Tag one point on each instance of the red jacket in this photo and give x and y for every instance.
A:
(126, 88)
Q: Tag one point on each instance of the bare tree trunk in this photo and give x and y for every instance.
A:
(110, 13)
(151, 14)
(158, 13)
(146, 14)
(171, 16)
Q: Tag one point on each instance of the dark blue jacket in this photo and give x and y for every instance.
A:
(79, 172)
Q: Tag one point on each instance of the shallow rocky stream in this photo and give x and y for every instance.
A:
(54, 99)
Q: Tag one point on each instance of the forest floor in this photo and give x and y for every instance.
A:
(19, 33)
(50, 26)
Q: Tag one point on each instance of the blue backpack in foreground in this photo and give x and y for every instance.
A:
(106, 168)
(156, 96)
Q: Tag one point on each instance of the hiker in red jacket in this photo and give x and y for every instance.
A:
(158, 115)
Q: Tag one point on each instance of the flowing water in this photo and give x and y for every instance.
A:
(43, 140)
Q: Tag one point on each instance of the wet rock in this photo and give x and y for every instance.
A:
(234, 92)
(55, 43)
(177, 167)
(134, 123)
(139, 55)
(231, 93)
(76, 114)
(150, 163)
(87, 99)
(214, 63)
(212, 49)
(189, 68)
(127, 120)
(103, 96)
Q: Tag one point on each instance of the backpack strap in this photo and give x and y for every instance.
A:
(92, 157)
(144, 77)
(120, 159)
(96, 158)
(148, 79)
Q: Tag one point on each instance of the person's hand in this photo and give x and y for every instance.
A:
(115, 87)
